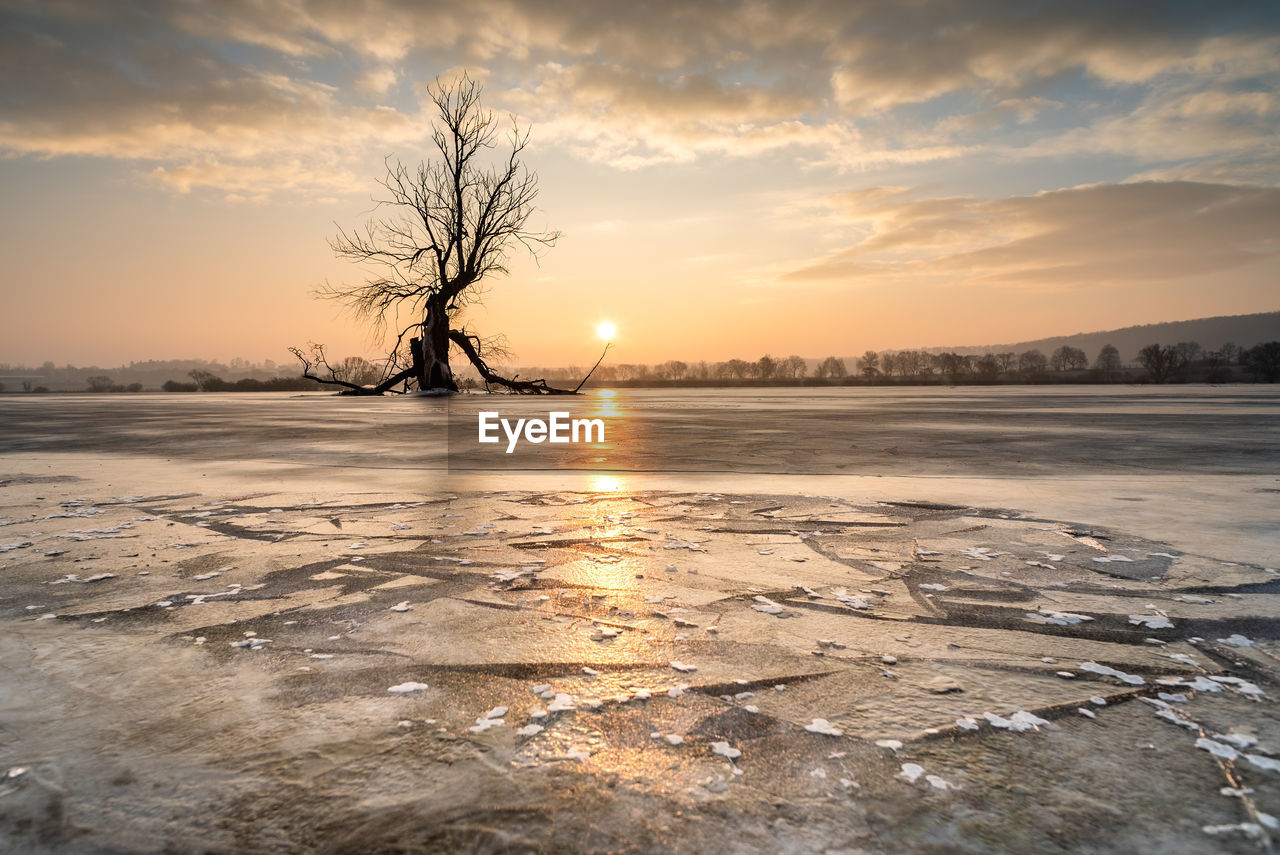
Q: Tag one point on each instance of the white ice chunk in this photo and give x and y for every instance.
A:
(1249, 829)
(1056, 618)
(937, 783)
(1024, 720)
(562, 703)
(1268, 763)
(1106, 671)
(402, 688)
(767, 606)
(853, 601)
(912, 771)
(1172, 717)
(821, 725)
(483, 724)
(1217, 749)
(724, 749)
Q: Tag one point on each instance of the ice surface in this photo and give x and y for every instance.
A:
(312, 704)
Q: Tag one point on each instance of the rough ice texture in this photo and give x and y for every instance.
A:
(481, 643)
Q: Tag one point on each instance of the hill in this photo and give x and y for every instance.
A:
(1211, 333)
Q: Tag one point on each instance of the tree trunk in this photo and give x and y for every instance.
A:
(431, 352)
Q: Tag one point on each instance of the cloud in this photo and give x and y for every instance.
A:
(1093, 235)
(304, 84)
(1182, 125)
(377, 81)
(205, 121)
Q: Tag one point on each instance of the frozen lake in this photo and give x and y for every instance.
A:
(1013, 619)
(1194, 464)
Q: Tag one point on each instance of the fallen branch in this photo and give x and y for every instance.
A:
(318, 361)
(469, 344)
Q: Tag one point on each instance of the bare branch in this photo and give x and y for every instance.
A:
(470, 344)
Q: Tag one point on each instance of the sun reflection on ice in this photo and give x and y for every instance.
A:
(606, 484)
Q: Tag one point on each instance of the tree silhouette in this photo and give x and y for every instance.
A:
(1263, 361)
(831, 367)
(1067, 358)
(1032, 362)
(1108, 362)
(987, 367)
(447, 225)
(1161, 362)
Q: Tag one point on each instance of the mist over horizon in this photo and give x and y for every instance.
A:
(1242, 331)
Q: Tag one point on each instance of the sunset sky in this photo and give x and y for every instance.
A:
(731, 179)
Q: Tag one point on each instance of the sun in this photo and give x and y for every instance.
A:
(606, 331)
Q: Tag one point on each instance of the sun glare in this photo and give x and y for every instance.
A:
(606, 331)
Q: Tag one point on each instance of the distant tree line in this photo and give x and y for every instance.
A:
(1183, 362)
(1178, 363)
(207, 381)
(150, 374)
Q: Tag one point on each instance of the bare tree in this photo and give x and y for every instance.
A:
(1263, 361)
(795, 366)
(869, 364)
(955, 365)
(1218, 365)
(1160, 362)
(1067, 358)
(1189, 351)
(447, 225)
(766, 367)
(987, 367)
(831, 367)
(358, 370)
(1032, 362)
(673, 370)
(1108, 362)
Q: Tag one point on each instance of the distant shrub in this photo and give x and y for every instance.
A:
(175, 386)
(100, 383)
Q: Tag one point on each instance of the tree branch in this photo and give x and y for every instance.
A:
(469, 345)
